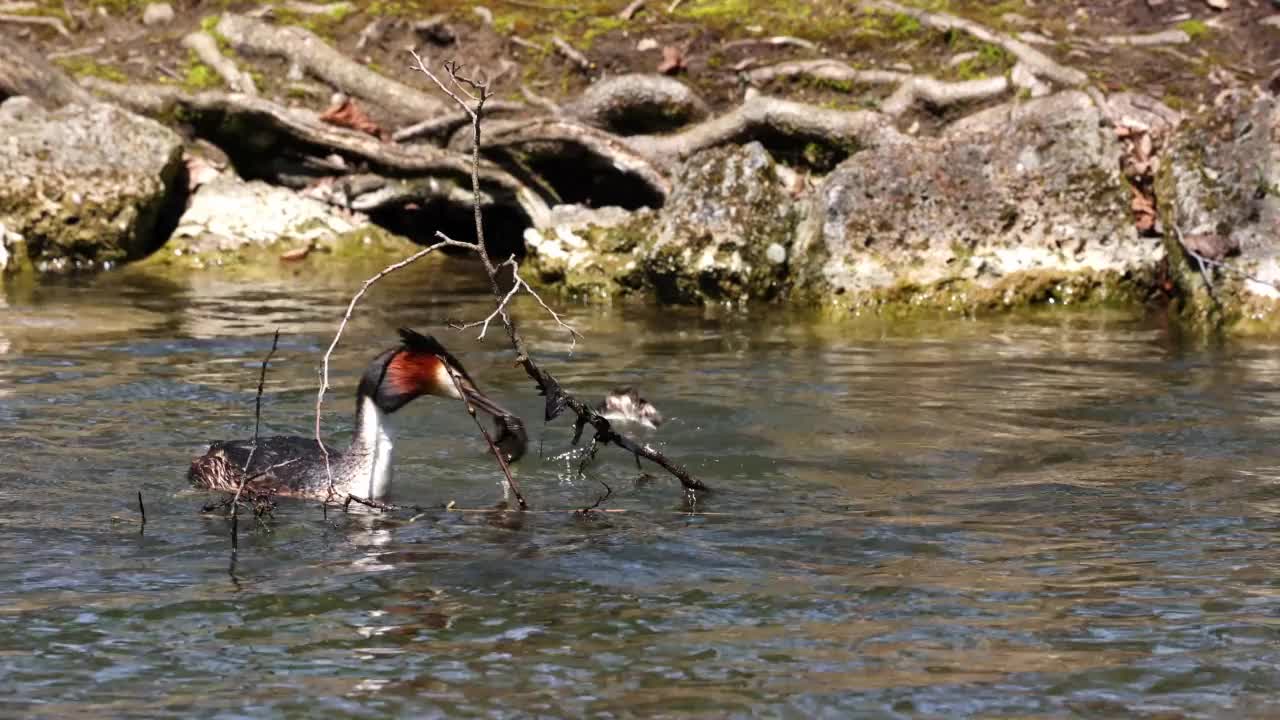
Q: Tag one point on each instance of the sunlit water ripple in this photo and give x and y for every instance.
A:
(1057, 516)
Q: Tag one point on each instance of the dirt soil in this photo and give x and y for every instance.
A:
(714, 40)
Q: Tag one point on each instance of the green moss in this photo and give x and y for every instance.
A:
(904, 25)
(1194, 28)
(81, 66)
(198, 76)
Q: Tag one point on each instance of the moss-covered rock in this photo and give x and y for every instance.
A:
(1021, 204)
(1220, 177)
(724, 234)
(252, 229)
(85, 185)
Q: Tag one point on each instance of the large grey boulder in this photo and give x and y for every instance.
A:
(1020, 204)
(234, 225)
(724, 234)
(1219, 186)
(85, 185)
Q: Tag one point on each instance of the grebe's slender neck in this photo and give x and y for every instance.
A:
(369, 474)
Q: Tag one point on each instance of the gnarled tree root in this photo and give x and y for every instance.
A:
(637, 103)
(24, 72)
(763, 116)
(1039, 63)
(303, 128)
(206, 48)
(911, 88)
(607, 147)
(305, 49)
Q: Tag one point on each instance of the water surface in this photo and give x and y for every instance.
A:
(1056, 516)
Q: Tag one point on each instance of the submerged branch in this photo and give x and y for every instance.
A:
(557, 400)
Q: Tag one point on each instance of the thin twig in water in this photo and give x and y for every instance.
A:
(143, 510)
(257, 403)
(235, 500)
(493, 448)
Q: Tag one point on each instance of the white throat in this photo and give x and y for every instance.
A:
(373, 476)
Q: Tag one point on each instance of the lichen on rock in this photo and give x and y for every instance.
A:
(85, 185)
(1221, 177)
(724, 234)
(1006, 206)
(232, 224)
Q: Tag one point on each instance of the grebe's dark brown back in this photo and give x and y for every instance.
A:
(418, 366)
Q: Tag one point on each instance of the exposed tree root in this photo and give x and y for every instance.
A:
(1038, 62)
(942, 94)
(311, 53)
(24, 72)
(609, 148)
(762, 116)
(438, 129)
(206, 48)
(911, 88)
(49, 22)
(302, 127)
(638, 103)
(1165, 37)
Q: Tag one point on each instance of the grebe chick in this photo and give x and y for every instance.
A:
(419, 366)
(626, 405)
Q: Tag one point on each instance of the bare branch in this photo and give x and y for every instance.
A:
(346, 317)
(49, 22)
(257, 402)
(493, 448)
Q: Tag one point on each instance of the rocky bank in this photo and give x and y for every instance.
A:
(981, 179)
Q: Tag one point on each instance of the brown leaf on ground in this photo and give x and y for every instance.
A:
(673, 61)
(1144, 210)
(296, 254)
(345, 113)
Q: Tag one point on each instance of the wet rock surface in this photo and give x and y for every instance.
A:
(231, 223)
(1018, 204)
(724, 234)
(1220, 182)
(85, 185)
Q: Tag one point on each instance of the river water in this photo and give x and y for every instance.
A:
(1056, 516)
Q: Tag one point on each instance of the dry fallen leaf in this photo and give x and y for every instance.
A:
(298, 253)
(345, 113)
(672, 61)
(1144, 211)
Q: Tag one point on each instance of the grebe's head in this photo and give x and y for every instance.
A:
(421, 366)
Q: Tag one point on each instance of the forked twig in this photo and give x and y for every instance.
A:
(235, 500)
(257, 403)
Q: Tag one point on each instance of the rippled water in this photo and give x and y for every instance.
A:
(1059, 516)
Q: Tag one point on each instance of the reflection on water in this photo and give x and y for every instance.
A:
(1051, 517)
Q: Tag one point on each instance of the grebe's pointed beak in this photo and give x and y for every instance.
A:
(511, 437)
(440, 373)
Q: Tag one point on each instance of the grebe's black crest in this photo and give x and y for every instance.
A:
(626, 405)
(420, 365)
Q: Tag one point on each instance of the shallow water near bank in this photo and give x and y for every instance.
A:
(1051, 516)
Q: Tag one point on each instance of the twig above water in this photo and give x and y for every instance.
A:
(257, 401)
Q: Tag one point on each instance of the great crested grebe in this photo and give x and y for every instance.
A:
(419, 366)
